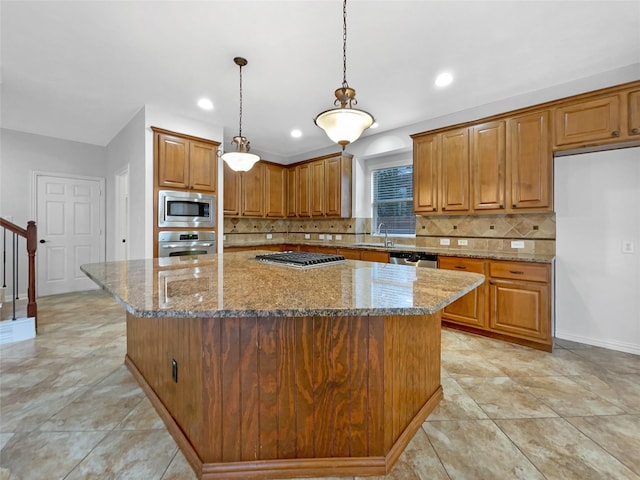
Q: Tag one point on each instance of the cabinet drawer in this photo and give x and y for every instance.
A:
(472, 265)
(349, 253)
(533, 272)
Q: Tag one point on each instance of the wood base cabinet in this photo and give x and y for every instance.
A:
(469, 309)
(514, 303)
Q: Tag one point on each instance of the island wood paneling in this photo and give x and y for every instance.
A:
(273, 397)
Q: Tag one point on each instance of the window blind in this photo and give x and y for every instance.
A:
(392, 199)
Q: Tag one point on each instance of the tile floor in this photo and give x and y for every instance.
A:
(70, 409)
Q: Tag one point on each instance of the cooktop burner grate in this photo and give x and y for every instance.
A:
(300, 259)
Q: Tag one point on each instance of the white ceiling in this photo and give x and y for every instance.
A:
(81, 70)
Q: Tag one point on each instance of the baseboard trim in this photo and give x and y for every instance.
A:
(598, 342)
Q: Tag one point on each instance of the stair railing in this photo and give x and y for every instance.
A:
(30, 234)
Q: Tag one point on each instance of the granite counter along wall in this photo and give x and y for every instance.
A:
(482, 232)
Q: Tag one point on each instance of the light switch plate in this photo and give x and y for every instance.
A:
(321, 236)
(307, 236)
(338, 237)
(517, 243)
(628, 246)
(445, 241)
(224, 237)
(463, 242)
(269, 236)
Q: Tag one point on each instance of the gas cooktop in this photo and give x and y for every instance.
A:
(300, 259)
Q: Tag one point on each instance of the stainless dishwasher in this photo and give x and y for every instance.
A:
(415, 259)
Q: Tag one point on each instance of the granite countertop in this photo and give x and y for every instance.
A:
(445, 252)
(236, 285)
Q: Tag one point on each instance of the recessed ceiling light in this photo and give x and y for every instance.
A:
(205, 104)
(374, 125)
(296, 133)
(444, 79)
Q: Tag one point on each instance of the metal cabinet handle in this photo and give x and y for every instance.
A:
(461, 267)
(513, 205)
(434, 209)
(635, 130)
(516, 272)
(615, 133)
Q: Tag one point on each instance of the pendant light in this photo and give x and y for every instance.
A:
(344, 124)
(240, 160)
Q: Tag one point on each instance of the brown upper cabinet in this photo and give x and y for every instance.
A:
(608, 116)
(322, 187)
(425, 174)
(634, 113)
(275, 190)
(588, 121)
(184, 162)
(455, 171)
(232, 189)
(529, 163)
(252, 191)
(488, 158)
(292, 191)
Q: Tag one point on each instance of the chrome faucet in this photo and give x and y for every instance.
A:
(387, 241)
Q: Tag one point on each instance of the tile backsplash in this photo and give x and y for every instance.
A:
(537, 232)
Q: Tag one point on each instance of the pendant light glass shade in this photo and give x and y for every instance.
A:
(344, 124)
(240, 160)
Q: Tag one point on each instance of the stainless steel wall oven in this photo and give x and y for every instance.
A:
(172, 244)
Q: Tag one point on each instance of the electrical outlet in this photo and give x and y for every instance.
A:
(321, 236)
(269, 236)
(517, 243)
(338, 237)
(463, 242)
(445, 241)
(307, 236)
(329, 236)
(224, 238)
(628, 246)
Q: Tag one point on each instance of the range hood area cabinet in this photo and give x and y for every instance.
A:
(185, 163)
(316, 188)
(504, 163)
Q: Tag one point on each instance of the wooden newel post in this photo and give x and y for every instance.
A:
(32, 245)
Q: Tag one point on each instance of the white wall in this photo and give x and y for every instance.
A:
(597, 198)
(21, 154)
(128, 148)
(156, 117)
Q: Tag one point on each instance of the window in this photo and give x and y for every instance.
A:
(392, 200)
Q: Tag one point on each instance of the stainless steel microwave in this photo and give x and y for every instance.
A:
(186, 209)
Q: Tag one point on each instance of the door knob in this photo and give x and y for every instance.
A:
(42, 241)
(123, 240)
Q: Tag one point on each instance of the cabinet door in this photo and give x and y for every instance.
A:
(232, 189)
(173, 161)
(588, 121)
(317, 184)
(292, 191)
(530, 163)
(520, 309)
(454, 170)
(349, 253)
(488, 157)
(425, 174)
(634, 113)
(469, 309)
(203, 166)
(304, 190)
(252, 197)
(375, 256)
(337, 198)
(275, 190)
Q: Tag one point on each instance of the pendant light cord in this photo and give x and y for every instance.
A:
(344, 45)
(240, 129)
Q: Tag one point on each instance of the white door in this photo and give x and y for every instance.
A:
(68, 216)
(122, 215)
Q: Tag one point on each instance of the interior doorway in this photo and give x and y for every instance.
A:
(70, 220)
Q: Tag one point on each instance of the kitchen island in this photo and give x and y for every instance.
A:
(267, 371)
